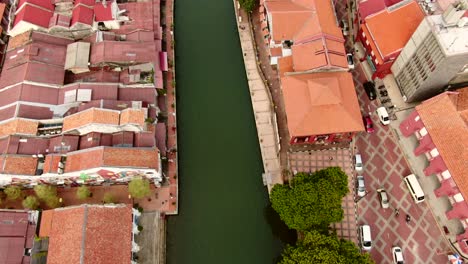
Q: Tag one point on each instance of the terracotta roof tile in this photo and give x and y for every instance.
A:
(91, 234)
(443, 118)
(388, 32)
(321, 52)
(328, 99)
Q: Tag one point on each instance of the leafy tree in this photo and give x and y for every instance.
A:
(83, 192)
(53, 202)
(248, 5)
(312, 201)
(319, 248)
(45, 192)
(31, 202)
(13, 192)
(139, 187)
(108, 198)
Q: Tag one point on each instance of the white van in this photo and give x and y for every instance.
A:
(365, 237)
(358, 162)
(414, 188)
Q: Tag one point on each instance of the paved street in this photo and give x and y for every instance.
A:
(385, 167)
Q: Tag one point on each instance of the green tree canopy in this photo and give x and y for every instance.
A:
(31, 202)
(248, 5)
(53, 202)
(45, 192)
(83, 192)
(12, 192)
(317, 248)
(108, 198)
(312, 201)
(139, 187)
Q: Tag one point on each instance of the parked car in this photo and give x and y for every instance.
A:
(369, 87)
(368, 124)
(383, 115)
(350, 59)
(383, 197)
(358, 162)
(360, 186)
(365, 237)
(397, 255)
(344, 27)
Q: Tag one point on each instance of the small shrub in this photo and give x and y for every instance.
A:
(31, 202)
(45, 192)
(13, 192)
(83, 192)
(108, 198)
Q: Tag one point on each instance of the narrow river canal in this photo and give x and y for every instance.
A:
(223, 210)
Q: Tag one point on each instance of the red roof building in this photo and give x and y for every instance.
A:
(384, 34)
(82, 14)
(322, 108)
(440, 125)
(17, 232)
(31, 14)
(88, 234)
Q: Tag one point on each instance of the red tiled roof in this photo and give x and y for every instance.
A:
(90, 234)
(445, 118)
(15, 235)
(388, 32)
(328, 99)
(40, 3)
(112, 157)
(122, 51)
(103, 13)
(34, 15)
(82, 14)
(321, 52)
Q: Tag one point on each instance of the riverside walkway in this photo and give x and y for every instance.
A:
(262, 103)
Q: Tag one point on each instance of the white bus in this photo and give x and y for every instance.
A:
(414, 188)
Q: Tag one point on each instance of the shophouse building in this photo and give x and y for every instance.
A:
(80, 112)
(440, 125)
(307, 47)
(385, 33)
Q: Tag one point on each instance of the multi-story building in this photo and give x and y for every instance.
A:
(80, 112)
(307, 46)
(440, 125)
(385, 33)
(435, 56)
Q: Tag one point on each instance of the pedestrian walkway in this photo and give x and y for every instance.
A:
(262, 104)
(311, 161)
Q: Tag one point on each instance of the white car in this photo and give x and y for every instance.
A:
(365, 237)
(349, 58)
(383, 197)
(383, 115)
(358, 162)
(361, 188)
(397, 255)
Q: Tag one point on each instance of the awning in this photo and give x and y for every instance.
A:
(459, 211)
(425, 145)
(411, 124)
(106, 174)
(163, 61)
(436, 165)
(447, 187)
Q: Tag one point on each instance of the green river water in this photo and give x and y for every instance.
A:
(224, 214)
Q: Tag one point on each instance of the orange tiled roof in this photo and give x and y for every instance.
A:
(321, 52)
(112, 157)
(445, 118)
(91, 116)
(285, 64)
(388, 32)
(90, 234)
(299, 19)
(327, 99)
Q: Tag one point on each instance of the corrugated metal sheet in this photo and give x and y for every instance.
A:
(122, 52)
